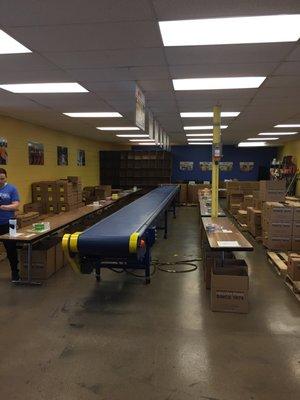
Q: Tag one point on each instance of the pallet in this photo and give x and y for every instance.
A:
(294, 286)
(278, 263)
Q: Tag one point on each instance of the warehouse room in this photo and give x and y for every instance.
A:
(149, 200)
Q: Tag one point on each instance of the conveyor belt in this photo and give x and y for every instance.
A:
(119, 234)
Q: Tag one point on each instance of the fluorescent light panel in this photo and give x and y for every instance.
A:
(200, 143)
(8, 45)
(146, 144)
(118, 128)
(198, 134)
(64, 87)
(199, 140)
(276, 133)
(252, 144)
(132, 136)
(201, 127)
(224, 114)
(243, 82)
(266, 138)
(94, 115)
(287, 126)
(236, 30)
(142, 140)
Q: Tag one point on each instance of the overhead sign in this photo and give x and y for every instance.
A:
(140, 114)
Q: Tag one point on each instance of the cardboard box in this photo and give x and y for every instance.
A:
(242, 216)
(65, 187)
(209, 260)
(295, 243)
(296, 211)
(248, 201)
(50, 187)
(278, 228)
(25, 219)
(43, 260)
(33, 207)
(66, 207)
(59, 257)
(193, 193)
(64, 198)
(296, 228)
(234, 208)
(272, 185)
(229, 289)
(51, 208)
(107, 189)
(183, 193)
(254, 216)
(74, 179)
(274, 211)
(293, 266)
(278, 243)
(255, 230)
(258, 204)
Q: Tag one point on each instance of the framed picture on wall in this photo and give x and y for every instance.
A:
(62, 155)
(246, 166)
(205, 165)
(80, 158)
(35, 153)
(3, 151)
(226, 166)
(186, 165)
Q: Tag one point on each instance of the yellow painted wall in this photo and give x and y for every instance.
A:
(21, 174)
(292, 149)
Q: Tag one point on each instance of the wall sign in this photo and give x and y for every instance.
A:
(80, 158)
(246, 166)
(3, 151)
(35, 153)
(62, 155)
(140, 115)
(186, 165)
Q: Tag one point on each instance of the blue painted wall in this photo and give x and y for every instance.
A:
(260, 156)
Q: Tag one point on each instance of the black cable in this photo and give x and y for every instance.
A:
(120, 271)
(181, 262)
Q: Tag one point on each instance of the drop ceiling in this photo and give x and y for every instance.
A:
(110, 45)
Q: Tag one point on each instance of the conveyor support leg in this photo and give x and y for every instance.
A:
(147, 266)
(166, 224)
(97, 274)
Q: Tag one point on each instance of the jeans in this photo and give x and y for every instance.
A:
(11, 251)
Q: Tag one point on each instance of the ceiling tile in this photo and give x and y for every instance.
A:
(85, 37)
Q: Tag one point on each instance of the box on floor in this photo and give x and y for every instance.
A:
(229, 287)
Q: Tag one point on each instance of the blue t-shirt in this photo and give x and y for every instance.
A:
(8, 194)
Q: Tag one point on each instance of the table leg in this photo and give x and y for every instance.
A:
(29, 280)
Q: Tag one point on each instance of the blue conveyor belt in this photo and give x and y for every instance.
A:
(110, 237)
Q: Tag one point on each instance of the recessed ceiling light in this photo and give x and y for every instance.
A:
(133, 136)
(8, 45)
(236, 30)
(224, 114)
(276, 133)
(201, 127)
(267, 138)
(287, 126)
(142, 140)
(94, 115)
(243, 82)
(198, 134)
(64, 87)
(118, 128)
(200, 143)
(252, 144)
(199, 140)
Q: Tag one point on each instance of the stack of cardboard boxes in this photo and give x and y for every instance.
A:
(254, 222)
(293, 266)
(96, 193)
(47, 258)
(281, 226)
(58, 196)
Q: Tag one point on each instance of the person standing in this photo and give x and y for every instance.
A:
(9, 203)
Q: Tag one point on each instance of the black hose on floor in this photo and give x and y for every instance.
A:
(191, 263)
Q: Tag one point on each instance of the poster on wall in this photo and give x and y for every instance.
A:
(186, 165)
(205, 165)
(140, 114)
(226, 166)
(246, 166)
(156, 132)
(3, 151)
(150, 125)
(35, 153)
(62, 155)
(80, 158)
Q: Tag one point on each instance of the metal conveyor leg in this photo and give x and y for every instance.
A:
(166, 224)
(97, 274)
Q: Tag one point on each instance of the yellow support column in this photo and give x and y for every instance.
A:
(215, 162)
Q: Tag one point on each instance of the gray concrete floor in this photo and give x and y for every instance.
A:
(72, 339)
